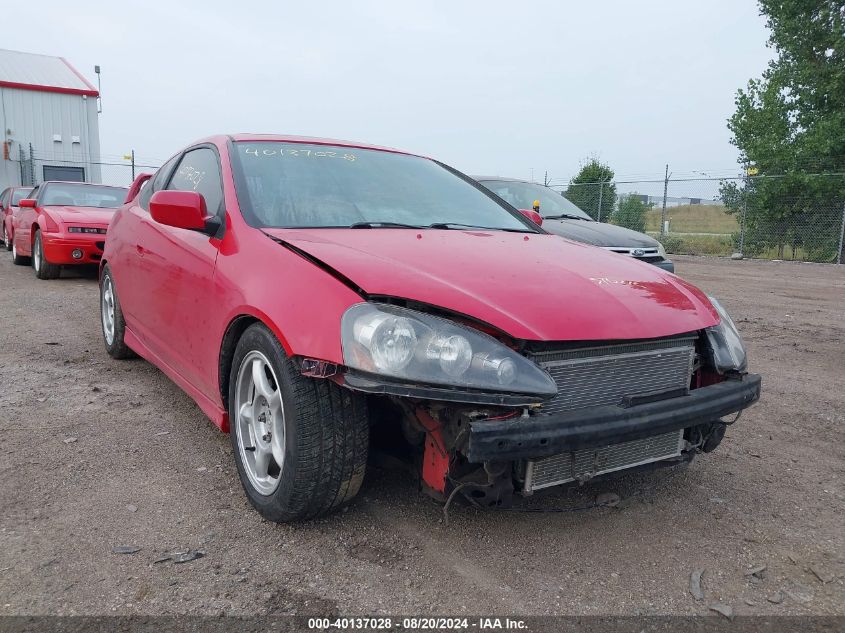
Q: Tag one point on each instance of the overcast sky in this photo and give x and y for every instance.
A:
(490, 87)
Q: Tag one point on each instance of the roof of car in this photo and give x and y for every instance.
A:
(313, 140)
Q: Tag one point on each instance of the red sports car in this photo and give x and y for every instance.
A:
(9, 200)
(317, 297)
(63, 223)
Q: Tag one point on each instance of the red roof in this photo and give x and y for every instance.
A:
(29, 71)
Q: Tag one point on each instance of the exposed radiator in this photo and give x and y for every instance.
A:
(585, 464)
(604, 375)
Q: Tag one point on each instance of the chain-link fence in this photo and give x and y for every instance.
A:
(794, 217)
(37, 167)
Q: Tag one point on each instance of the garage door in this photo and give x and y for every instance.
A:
(58, 172)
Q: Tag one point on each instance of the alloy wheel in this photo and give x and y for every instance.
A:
(107, 309)
(36, 254)
(260, 423)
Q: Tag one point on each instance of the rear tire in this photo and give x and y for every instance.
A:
(18, 259)
(43, 268)
(111, 318)
(316, 429)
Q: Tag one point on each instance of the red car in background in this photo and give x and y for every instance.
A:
(316, 296)
(62, 224)
(9, 200)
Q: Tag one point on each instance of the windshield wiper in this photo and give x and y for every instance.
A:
(389, 225)
(564, 215)
(458, 226)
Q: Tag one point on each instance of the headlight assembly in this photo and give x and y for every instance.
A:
(661, 251)
(421, 349)
(726, 347)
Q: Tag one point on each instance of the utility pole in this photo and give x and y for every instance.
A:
(665, 191)
(601, 190)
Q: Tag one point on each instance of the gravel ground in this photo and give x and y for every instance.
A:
(98, 454)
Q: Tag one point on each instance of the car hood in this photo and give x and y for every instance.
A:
(599, 233)
(82, 215)
(530, 286)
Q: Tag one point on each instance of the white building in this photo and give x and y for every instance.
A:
(48, 114)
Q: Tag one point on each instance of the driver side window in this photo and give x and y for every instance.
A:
(199, 171)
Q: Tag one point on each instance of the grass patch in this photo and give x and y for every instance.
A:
(693, 218)
(697, 244)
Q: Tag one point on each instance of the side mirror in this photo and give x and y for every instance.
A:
(532, 215)
(27, 202)
(182, 209)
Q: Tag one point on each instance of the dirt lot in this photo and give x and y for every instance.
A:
(98, 453)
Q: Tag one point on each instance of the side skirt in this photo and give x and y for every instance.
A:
(217, 414)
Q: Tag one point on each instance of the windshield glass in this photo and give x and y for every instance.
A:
(523, 194)
(81, 195)
(289, 185)
(18, 195)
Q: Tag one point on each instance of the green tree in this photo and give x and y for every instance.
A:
(790, 124)
(631, 212)
(593, 190)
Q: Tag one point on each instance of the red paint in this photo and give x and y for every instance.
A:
(40, 88)
(546, 288)
(532, 215)
(181, 209)
(180, 290)
(8, 211)
(435, 457)
(136, 185)
(53, 222)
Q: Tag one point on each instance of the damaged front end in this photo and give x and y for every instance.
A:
(489, 418)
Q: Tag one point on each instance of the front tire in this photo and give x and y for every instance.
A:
(43, 268)
(7, 241)
(300, 443)
(111, 318)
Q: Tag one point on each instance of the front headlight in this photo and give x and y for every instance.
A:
(416, 347)
(661, 252)
(726, 347)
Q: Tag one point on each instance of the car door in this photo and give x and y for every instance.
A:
(177, 275)
(129, 267)
(24, 219)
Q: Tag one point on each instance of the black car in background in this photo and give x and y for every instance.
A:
(562, 217)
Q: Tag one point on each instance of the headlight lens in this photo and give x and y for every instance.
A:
(728, 351)
(661, 251)
(414, 346)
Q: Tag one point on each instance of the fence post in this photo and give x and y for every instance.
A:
(742, 218)
(601, 190)
(841, 236)
(133, 165)
(663, 212)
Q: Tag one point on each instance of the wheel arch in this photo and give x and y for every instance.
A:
(234, 330)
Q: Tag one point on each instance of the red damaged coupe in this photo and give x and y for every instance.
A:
(318, 297)
(63, 224)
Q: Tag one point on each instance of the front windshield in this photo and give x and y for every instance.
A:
(523, 194)
(293, 185)
(82, 195)
(18, 195)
